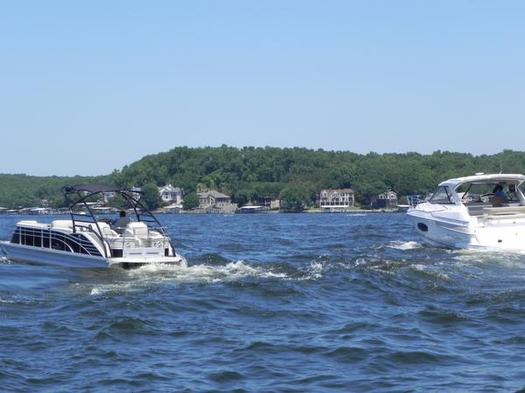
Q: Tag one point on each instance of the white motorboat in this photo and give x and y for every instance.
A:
(485, 211)
(85, 241)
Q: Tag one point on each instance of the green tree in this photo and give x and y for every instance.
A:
(151, 197)
(251, 173)
(117, 201)
(191, 201)
(296, 197)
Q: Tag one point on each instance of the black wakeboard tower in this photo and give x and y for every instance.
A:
(78, 196)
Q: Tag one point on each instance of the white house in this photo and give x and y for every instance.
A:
(336, 199)
(170, 194)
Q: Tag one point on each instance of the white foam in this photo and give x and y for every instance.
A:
(400, 245)
(315, 270)
(115, 288)
(148, 275)
(472, 257)
(430, 269)
(208, 273)
(157, 273)
(96, 291)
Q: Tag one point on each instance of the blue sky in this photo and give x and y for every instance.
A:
(87, 87)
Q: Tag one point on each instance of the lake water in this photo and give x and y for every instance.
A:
(285, 302)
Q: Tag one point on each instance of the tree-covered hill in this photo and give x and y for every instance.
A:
(296, 173)
(25, 191)
(250, 172)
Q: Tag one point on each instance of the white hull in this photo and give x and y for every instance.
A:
(45, 256)
(498, 234)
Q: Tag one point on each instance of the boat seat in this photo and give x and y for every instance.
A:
(504, 210)
(503, 216)
(104, 228)
(476, 210)
(62, 224)
(32, 224)
(138, 229)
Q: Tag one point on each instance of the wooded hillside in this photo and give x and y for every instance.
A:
(249, 173)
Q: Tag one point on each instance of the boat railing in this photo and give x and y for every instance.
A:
(414, 200)
(78, 197)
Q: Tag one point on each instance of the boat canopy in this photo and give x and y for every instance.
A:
(482, 179)
(78, 197)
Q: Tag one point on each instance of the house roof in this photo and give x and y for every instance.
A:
(346, 190)
(169, 188)
(213, 193)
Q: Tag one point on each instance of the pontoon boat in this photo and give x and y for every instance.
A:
(87, 241)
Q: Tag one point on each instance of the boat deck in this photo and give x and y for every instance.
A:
(486, 209)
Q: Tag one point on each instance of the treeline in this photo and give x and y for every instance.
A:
(293, 174)
(25, 191)
(296, 175)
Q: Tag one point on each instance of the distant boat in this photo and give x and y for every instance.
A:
(85, 241)
(250, 209)
(478, 212)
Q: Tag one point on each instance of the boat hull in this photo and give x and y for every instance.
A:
(444, 234)
(45, 256)
(502, 234)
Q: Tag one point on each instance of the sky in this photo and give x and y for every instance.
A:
(88, 87)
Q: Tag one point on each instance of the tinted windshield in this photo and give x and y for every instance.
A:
(482, 192)
(441, 196)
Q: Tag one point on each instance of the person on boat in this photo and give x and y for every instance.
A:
(120, 223)
(500, 198)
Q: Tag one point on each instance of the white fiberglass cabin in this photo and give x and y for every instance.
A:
(476, 212)
(85, 241)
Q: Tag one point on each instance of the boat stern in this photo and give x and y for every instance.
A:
(136, 259)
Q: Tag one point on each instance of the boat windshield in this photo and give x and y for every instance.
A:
(483, 192)
(441, 196)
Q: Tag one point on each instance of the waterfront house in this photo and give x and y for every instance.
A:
(106, 196)
(213, 198)
(216, 202)
(385, 200)
(339, 199)
(275, 204)
(170, 194)
(136, 192)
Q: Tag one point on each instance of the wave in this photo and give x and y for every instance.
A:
(202, 273)
(404, 246)
(489, 257)
(205, 273)
(232, 271)
(4, 260)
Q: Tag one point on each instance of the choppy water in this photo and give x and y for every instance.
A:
(270, 303)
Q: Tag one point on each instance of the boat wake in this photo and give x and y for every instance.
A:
(400, 245)
(157, 274)
(485, 257)
(232, 271)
